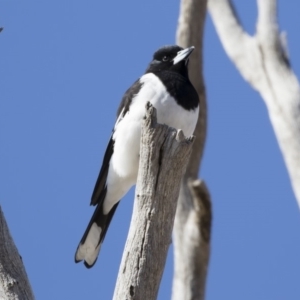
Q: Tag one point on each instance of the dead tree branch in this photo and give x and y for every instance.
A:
(14, 283)
(163, 158)
(193, 217)
(263, 61)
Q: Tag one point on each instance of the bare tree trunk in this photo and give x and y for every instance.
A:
(262, 60)
(193, 217)
(163, 158)
(14, 283)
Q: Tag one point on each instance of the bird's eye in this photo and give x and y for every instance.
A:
(165, 58)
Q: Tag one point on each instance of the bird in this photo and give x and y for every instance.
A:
(166, 85)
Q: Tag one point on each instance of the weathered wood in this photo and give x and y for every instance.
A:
(263, 61)
(191, 250)
(163, 158)
(14, 283)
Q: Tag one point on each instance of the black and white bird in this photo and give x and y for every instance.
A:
(167, 87)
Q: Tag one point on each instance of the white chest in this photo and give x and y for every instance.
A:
(128, 130)
(168, 111)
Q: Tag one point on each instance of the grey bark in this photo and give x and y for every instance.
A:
(14, 283)
(193, 217)
(263, 61)
(163, 158)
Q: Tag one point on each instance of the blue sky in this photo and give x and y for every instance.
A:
(64, 67)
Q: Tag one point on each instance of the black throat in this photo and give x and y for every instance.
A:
(180, 88)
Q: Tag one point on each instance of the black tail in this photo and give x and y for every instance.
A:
(90, 244)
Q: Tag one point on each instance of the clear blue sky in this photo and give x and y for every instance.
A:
(64, 67)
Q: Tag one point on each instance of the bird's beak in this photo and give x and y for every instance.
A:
(183, 54)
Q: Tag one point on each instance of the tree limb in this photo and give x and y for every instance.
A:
(163, 158)
(194, 248)
(14, 283)
(191, 247)
(262, 61)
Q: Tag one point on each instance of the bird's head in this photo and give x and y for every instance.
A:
(170, 58)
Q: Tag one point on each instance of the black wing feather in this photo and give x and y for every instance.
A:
(127, 98)
(100, 186)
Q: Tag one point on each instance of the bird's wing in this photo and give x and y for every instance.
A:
(100, 186)
(127, 98)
